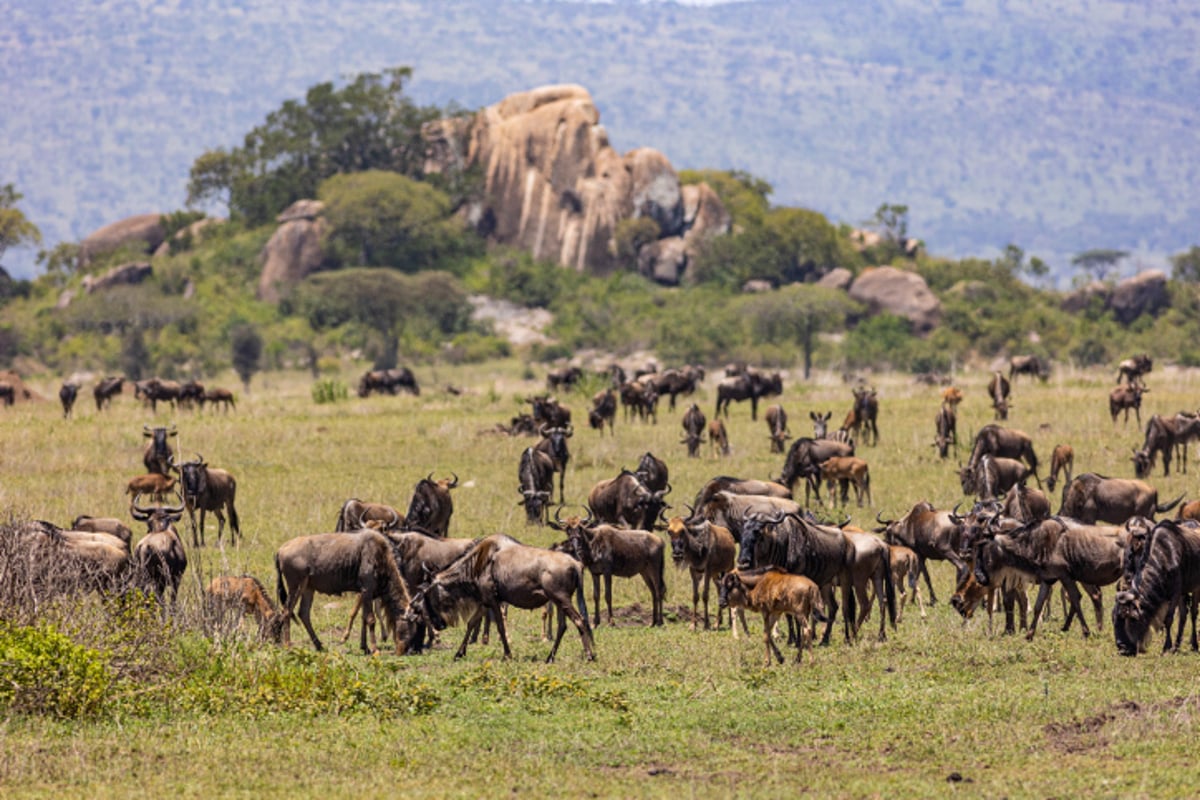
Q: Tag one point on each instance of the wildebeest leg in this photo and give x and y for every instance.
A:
(502, 630)
(769, 619)
(353, 614)
(914, 585)
(368, 620)
(596, 601)
(306, 601)
(608, 595)
(1044, 590)
(1072, 591)
(696, 599)
(923, 568)
(741, 617)
(1097, 603)
(472, 628)
(565, 611)
(220, 525)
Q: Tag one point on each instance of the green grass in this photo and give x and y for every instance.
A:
(662, 712)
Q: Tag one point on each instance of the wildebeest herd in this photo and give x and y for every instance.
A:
(764, 550)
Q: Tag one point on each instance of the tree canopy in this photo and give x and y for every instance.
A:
(15, 227)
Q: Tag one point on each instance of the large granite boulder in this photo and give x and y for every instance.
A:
(664, 261)
(144, 230)
(899, 292)
(1144, 293)
(294, 251)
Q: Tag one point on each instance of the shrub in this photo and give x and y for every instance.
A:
(43, 672)
(329, 390)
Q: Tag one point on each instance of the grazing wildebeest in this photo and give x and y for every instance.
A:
(1001, 442)
(1092, 498)
(749, 385)
(1162, 572)
(608, 552)
(693, 428)
(1025, 504)
(535, 482)
(804, 459)
(1125, 397)
(546, 410)
(554, 444)
(388, 380)
(159, 557)
(946, 425)
(431, 506)
(1051, 551)
(191, 393)
(1061, 460)
(773, 593)
(158, 455)
(991, 476)
(356, 514)
(1132, 369)
(674, 382)
(639, 399)
(931, 534)
(708, 551)
(627, 502)
(725, 483)
(335, 563)
(499, 569)
(718, 438)
(208, 489)
(154, 390)
(564, 378)
(245, 595)
(863, 415)
(1028, 365)
(777, 428)
(652, 471)
(66, 395)
(604, 409)
(218, 396)
(998, 390)
(105, 389)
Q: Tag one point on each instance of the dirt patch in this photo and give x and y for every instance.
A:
(1095, 732)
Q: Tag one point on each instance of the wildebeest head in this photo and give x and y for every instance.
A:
(558, 442)
(686, 534)
(193, 477)
(752, 526)
(157, 518)
(158, 455)
(1143, 462)
(820, 423)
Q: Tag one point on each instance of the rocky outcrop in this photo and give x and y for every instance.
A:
(145, 231)
(664, 261)
(123, 275)
(294, 251)
(1081, 298)
(837, 278)
(899, 292)
(1144, 293)
(554, 186)
(193, 233)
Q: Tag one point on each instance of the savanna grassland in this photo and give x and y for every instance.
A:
(939, 707)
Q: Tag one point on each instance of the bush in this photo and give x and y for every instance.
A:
(329, 390)
(43, 672)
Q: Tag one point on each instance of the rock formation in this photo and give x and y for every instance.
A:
(145, 230)
(125, 274)
(293, 251)
(898, 292)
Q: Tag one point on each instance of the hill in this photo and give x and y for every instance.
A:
(1058, 126)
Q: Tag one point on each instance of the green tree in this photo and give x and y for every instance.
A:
(891, 222)
(796, 314)
(1185, 266)
(247, 346)
(15, 228)
(366, 124)
(1014, 263)
(744, 196)
(379, 218)
(1099, 263)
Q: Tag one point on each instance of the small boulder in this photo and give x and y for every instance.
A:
(837, 278)
(664, 261)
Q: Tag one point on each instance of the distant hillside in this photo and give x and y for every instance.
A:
(1060, 126)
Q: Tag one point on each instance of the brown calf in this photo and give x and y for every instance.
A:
(846, 470)
(1062, 460)
(905, 572)
(718, 438)
(151, 483)
(774, 593)
(246, 595)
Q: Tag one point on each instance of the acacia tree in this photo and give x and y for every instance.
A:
(15, 227)
(797, 314)
(1186, 265)
(1100, 262)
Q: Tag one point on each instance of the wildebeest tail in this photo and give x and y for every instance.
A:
(234, 525)
(280, 588)
(1165, 508)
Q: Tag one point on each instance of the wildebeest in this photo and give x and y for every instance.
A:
(1025, 504)
(992, 476)
(1028, 365)
(159, 557)
(863, 416)
(1092, 498)
(604, 409)
(708, 551)
(8, 393)
(564, 378)
(218, 396)
(749, 385)
(693, 429)
(1061, 460)
(152, 483)
(1132, 369)
(1053, 551)
(105, 390)
(653, 472)
(191, 393)
(242, 595)
(547, 411)
(63, 563)
(66, 395)
(952, 396)
(718, 438)
(207, 488)
(109, 525)
(773, 593)
(152, 391)
(1168, 436)
(391, 381)
(946, 426)
(777, 428)
(803, 460)
(355, 514)
(158, 455)
(1125, 397)
(673, 382)
(554, 444)
(846, 470)
(639, 399)
(820, 423)
(1003, 442)
(905, 572)
(609, 552)
(1163, 572)
(998, 391)
(535, 482)
(499, 569)
(627, 502)
(725, 483)
(931, 534)
(431, 506)
(335, 563)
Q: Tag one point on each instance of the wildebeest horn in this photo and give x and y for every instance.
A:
(542, 429)
(558, 515)
(146, 431)
(454, 482)
(138, 512)
(691, 510)
(172, 431)
(429, 477)
(879, 518)
(569, 430)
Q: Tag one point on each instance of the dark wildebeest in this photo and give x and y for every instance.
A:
(604, 409)
(627, 502)
(1162, 572)
(1028, 365)
(1061, 460)
(208, 489)
(564, 378)
(1132, 369)
(158, 455)
(1092, 498)
(639, 399)
(191, 393)
(749, 385)
(431, 506)
(676, 382)
(535, 482)
(218, 396)
(499, 569)
(159, 557)
(155, 390)
(863, 415)
(334, 563)
(554, 444)
(693, 428)
(931, 534)
(548, 411)
(8, 393)
(777, 427)
(1001, 442)
(1025, 504)
(1125, 397)
(708, 551)
(609, 551)
(804, 459)
(1051, 551)
(1169, 436)
(356, 514)
(388, 380)
(105, 390)
(718, 438)
(652, 471)
(998, 390)
(66, 395)
(991, 477)
(946, 425)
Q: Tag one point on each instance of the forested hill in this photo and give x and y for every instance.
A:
(1058, 126)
